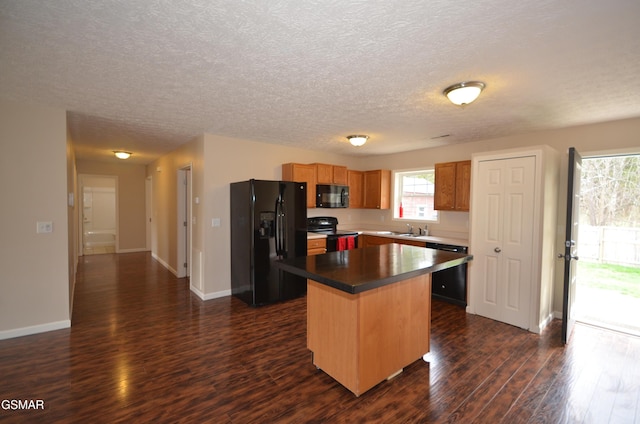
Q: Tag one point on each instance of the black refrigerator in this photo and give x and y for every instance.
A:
(268, 223)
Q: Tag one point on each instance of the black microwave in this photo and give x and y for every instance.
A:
(332, 196)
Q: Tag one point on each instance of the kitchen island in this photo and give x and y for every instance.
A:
(369, 309)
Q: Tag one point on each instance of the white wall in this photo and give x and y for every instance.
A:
(35, 283)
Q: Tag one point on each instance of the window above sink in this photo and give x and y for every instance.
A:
(413, 195)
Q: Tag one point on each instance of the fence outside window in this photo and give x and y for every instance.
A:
(609, 245)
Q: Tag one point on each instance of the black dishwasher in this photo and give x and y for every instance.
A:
(450, 284)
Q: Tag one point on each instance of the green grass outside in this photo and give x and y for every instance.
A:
(622, 279)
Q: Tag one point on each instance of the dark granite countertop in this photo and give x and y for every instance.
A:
(358, 270)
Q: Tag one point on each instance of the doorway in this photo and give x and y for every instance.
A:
(98, 214)
(608, 272)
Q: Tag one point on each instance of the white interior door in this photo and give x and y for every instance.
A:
(504, 234)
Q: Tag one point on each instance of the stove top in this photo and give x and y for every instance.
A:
(327, 225)
(334, 232)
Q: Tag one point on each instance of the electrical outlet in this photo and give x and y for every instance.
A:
(44, 227)
(215, 222)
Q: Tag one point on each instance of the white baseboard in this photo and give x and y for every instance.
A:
(34, 329)
(141, 249)
(210, 296)
(164, 264)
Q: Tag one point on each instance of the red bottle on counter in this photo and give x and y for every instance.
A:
(401, 211)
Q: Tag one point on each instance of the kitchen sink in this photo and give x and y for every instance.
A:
(398, 233)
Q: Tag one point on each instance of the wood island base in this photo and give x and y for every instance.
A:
(362, 339)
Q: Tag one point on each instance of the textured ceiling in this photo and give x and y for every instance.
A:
(149, 75)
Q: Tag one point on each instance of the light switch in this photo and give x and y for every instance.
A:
(215, 222)
(44, 227)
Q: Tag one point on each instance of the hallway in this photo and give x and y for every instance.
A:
(142, 348)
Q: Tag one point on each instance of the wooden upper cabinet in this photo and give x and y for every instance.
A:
(445, 186)
(355, 180)
(330, 174)
(302, 173)
(340, 175)
(377, 189)
(452, 186)
(367, 189)
(463, 185)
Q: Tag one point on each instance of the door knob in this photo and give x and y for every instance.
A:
(497, 250)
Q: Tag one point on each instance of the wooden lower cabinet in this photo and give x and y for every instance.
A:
(367, 240)
(362, 339)
(316, 246)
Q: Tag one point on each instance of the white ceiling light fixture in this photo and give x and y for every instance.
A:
(464, 93)
(121, 155)
(357, 140)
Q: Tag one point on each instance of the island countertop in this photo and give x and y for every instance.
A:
(358, 270)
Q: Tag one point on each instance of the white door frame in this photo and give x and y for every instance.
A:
(184, 220)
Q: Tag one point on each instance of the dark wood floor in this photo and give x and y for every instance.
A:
(142, 348)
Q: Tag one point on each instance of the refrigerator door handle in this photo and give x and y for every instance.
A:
(283, 235)
(276, 230)
(279, 230)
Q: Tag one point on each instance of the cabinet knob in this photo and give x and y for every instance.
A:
(497, 250)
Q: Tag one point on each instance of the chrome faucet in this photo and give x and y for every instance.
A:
(409, 229)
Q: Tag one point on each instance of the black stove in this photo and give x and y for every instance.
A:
(336, 239)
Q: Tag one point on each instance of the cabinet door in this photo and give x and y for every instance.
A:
(445, 186)
(330, 174)
(324, 173)
(463, 185)
(503, 238)
(377, 189)
(316, 247)
(340, 175)
(374, 240)
(355, 181)
(302, 173)
(411, 242)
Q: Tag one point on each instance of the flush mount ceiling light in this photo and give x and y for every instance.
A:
(464, 93)
(121, 155)
(357, 140)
